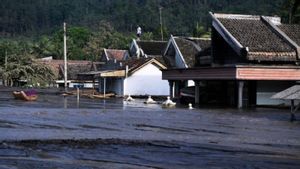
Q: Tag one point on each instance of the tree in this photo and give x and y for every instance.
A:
(77, 39)
(105, 37)
(200, 31)
(21, 65)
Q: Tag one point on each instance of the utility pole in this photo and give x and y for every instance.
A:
(65, 57)
(161, 26)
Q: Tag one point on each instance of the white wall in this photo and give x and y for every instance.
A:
(146, 81)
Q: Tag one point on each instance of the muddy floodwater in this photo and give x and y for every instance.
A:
(59, 132)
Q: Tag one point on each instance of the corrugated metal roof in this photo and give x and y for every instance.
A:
(292, 93)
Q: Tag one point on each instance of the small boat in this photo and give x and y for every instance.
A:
(23, 96)
(99, 96)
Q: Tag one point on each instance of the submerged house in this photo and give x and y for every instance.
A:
(74, 67)
(137, 77)
(252, 57)
(114, 55)
(145, 49)
(180, 53)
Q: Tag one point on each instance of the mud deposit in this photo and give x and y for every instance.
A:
(115, 134)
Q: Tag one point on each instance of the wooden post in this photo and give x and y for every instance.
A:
(93, 86)
(104, 87)
(240, 94)
(65, 102)
(292, 110)
(78, 96)
(197, 92)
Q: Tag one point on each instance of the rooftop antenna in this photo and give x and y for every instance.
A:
(65, 58)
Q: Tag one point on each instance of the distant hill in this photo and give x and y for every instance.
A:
(180, 17)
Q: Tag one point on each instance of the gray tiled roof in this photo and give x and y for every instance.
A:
(190, 47)
(152, 47)
(255, 35)
(262, 41)
(292, 31)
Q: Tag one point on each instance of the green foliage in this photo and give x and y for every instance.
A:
(77, 38)
(179, 17)
(200, 31)
(291, 11)
(147, 36)
(21, 65)
(105, 37)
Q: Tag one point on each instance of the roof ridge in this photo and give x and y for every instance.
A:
(237, 16)
(274, 19)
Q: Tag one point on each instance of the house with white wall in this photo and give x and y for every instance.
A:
(137, 77)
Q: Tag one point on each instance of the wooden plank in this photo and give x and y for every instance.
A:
(115, 73)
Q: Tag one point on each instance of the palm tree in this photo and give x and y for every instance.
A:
(24, 67)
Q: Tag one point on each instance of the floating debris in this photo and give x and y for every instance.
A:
(129, 98)
(150, 101)
(168, 103)
(191, 106)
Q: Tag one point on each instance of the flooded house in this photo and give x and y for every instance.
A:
(128, 75)
(251, 58)
(74, 67)
(145, 49)
(180, 53)
(114, 55)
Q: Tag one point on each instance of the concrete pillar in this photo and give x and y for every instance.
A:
(172, 88)
(197, 92)
(240, 94)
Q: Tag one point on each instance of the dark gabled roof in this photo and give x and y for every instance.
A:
(190, 47)
(292, 31)
(263, 42)
(75, 68)
(152, 47)
(115, 54)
